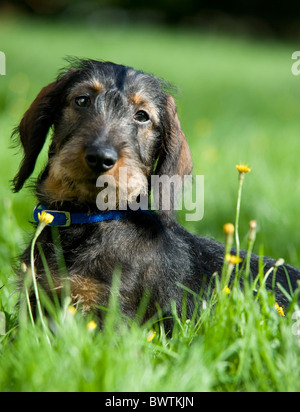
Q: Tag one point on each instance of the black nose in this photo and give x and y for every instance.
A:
(101, 160)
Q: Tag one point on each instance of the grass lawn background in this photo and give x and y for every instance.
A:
(238, 102)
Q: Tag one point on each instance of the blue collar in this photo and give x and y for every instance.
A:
(65, 219)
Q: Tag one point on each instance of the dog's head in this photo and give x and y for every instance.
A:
(104, 117)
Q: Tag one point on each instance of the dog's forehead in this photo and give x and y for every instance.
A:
(134, 84)
(124, 78)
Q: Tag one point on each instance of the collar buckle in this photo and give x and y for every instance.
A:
(67, 215)
(61, 218)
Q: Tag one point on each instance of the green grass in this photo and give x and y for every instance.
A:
(238, 101)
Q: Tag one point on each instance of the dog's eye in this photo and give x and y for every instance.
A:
(141, 116)
(83, 101)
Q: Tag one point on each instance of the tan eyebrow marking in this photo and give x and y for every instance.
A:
(93, 85)
(143, 103)
(97, 86)
(137, 99)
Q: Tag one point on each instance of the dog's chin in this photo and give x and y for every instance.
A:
(119, 198)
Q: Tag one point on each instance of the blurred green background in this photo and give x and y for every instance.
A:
(238, 101)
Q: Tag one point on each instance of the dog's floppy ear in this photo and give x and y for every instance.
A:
(175, 158)
(35, 125)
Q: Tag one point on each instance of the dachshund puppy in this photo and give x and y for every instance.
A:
(107, 117)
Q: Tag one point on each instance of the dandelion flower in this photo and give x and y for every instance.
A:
(226, 290)
(92, 325)
(151, 335)
(228, 229)
(243, 169)
(45, 218)
(234, 260)
(279, 310)
(71, 310)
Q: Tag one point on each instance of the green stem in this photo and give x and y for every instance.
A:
(29, 305)
(237, 217)
(251, 240)
(39, 230)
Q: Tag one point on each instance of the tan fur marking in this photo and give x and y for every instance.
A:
(93, 86)
(136, 184)
(144, 104)
(97, 86)
(137, 99)
(85, 291)
(88, 292)
(69, 177)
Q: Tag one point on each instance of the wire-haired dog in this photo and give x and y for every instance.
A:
(106, 117)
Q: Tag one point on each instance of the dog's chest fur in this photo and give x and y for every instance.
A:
(141, 248)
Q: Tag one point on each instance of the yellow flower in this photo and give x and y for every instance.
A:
(234, 260)
(243, 169)
(92, 325)
(151, 335)
(279, 310)
(228, 229)
(71, 310)
(226, 290)
(45, 218)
